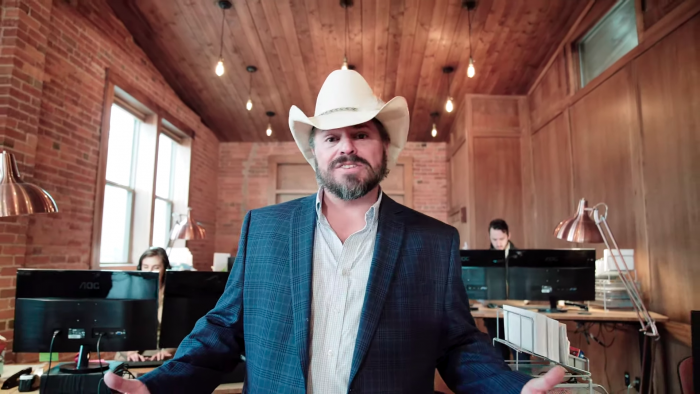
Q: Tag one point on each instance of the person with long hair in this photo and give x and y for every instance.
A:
(154, 259)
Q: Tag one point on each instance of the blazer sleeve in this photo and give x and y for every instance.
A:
(214, 346)
(469, 363)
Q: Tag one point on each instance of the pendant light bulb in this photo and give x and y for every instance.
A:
(269, 130)
(471, 70)
(249, 105)
(449, 106)
(434, 131)
(220, 67)
(345, 63)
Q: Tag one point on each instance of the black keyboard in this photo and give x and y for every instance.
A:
(143, 364)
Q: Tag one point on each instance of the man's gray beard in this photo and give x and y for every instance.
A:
(353, 188)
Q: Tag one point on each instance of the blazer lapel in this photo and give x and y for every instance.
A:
(303, 227)
(386, 253)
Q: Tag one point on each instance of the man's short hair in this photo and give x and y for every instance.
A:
(498, 224)
(382, 133)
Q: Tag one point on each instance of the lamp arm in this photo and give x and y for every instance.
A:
(647, 322)
(171, 241)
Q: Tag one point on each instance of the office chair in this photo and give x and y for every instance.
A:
(685, 375)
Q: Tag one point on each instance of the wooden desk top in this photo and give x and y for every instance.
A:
(10, 369)
(593, 314)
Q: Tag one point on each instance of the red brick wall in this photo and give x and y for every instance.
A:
(53, 58)
(243, 183)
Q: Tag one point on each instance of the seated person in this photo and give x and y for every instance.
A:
(152, 260)
(499, 237)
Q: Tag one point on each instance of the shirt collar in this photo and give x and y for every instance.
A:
(370, 216)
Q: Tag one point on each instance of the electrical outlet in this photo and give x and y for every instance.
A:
(627, 379)
(637, 383)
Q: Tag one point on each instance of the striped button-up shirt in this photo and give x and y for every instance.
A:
(340, 274)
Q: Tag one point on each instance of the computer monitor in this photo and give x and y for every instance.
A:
(551, 275)
(188, 296)
(73, 309)
(484, 274)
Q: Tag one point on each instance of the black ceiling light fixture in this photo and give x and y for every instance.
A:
(224, 5)
(470, 5)
(345, 4)
(269, 114)
(251, 70)
(449, 105)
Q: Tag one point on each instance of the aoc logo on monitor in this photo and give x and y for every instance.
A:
(89, 285)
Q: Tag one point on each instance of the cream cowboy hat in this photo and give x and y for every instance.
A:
(345, 100)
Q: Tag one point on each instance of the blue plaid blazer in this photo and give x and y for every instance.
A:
(415, 316)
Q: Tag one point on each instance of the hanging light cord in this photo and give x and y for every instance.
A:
(347, 31)
(469, 21)
(221, 43)
(250, 85)
(449, 84)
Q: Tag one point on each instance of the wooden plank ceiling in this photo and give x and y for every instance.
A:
(399, 46)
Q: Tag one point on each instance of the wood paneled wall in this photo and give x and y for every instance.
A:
(632, 140)
(487, 167)
(553, 182)
(605, 131)
(669, 92)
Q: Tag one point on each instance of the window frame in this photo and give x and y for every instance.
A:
(575, 45)
(170, 200)
(120, 91)
(139, 118)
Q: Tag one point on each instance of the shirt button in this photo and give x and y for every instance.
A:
(346, 272)
(330, 353)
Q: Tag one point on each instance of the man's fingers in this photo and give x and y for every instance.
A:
(546, 382)
(125, 385)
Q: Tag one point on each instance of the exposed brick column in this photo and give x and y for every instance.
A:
(23, 41)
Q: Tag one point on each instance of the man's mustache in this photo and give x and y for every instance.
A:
(350, 159)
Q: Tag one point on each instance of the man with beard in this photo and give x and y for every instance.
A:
(345, 290)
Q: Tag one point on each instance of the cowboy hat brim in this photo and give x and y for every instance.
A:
(393, 115)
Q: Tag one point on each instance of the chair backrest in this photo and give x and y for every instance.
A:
(685, 374)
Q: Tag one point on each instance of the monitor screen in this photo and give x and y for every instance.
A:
(122, 306)
(484, 274)
(188, 296)
(546, 275)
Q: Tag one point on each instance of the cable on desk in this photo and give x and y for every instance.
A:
(99, 360)
(48, 374)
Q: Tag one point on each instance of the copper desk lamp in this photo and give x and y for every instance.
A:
(583, 229)
(186, 229)
(17, 197)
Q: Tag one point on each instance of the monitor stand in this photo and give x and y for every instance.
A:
(553, 302)
(84, 366)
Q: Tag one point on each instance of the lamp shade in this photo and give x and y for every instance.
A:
(580, 228)
(188, 229)
(18, 197)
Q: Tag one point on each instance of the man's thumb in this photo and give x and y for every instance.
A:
(124, 385)
(546, 382)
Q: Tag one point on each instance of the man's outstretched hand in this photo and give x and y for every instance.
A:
(131, 386)
(544, 383)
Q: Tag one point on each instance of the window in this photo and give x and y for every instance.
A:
(119, 186)
(165, 190)
(608, 41)
(145, 167)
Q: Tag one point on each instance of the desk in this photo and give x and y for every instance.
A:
(227, 388)
(593, 314)
(622, 325)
